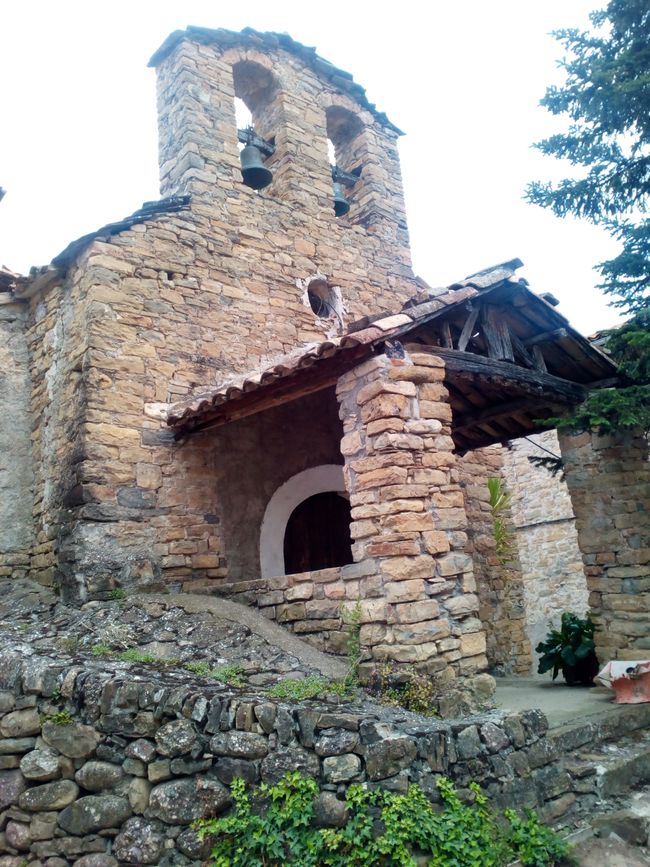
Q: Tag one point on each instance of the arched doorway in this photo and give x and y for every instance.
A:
(318, 534)
(326, 478)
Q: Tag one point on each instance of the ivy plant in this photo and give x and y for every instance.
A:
(274, 826)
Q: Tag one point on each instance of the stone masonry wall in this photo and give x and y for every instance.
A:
(182, 302)
(553, 573)
(134, 758)
(500, 585)
(609, 482)
(16, 476)
(419, 603)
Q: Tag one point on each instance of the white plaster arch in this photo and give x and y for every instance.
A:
(316, 480)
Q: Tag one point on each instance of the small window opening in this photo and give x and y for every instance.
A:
(323, 299)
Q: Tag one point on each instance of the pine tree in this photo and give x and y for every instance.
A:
(606, 96)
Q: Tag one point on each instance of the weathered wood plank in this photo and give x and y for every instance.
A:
(468, 328)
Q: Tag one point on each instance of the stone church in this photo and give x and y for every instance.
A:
(243, 389)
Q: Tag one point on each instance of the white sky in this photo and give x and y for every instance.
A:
(79, 144)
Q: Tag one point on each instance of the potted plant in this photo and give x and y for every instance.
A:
(570, 649)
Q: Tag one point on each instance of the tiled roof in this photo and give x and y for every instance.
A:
(364, 332)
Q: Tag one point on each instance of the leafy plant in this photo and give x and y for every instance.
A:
(58, 718)
(101, 649)
(352, 617)
(117, 593)
(274, 826)
(404, 687)
(201, 667)
(500, 502)
(299, 690)
(571, 650)
(230, 675)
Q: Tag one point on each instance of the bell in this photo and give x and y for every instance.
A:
(254, 172)
(341, 204)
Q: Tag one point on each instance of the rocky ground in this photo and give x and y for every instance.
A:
(158, 630)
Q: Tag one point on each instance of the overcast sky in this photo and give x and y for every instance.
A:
(463, 80)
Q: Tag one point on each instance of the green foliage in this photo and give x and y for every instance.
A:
(58, 718)
(535, 844)
(132, 654)
(500, 501)
(201, 667)
(274, 827)
(101, 650)
(117, 593)
(232, 675)
(606, 99)
(570, 649)
(69, 644)
(405, 687)
(352, 617)
(300, 690)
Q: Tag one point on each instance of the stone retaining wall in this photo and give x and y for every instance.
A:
(141, 758)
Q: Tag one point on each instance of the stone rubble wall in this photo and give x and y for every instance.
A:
(16, 473)
(138, 760)
(609, 481)
(553, 573)
(500, 585)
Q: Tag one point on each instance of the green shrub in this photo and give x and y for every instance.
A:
(570, 649)
(275, 827)
(403, 686)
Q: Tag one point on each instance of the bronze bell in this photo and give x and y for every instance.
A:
(254, 172)
(341, 204)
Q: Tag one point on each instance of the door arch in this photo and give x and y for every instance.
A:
(316, 480)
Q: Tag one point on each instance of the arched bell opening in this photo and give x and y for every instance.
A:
(255, 111)
(317, 535)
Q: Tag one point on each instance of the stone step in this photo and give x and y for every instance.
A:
(612, 768)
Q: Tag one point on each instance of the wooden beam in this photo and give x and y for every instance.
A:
(468, 328)
(521, 351)
(497, 334)
(547, 337)
(538, 355)
(510, 377)
(493, 413)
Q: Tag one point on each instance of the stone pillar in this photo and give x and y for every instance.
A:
(609, 482)
(409, 524)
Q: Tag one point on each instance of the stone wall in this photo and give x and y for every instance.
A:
(542, 514)
(16, 478)
(500, 585)
(609, 481)
(132, 759)
(181, 302)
